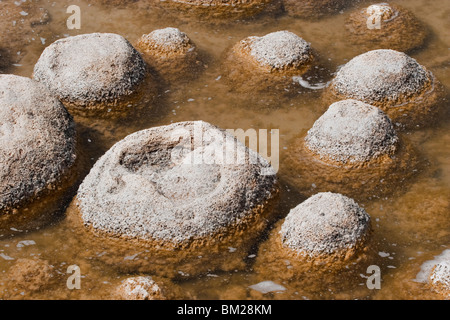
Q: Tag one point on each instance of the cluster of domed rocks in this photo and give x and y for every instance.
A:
(189, 197)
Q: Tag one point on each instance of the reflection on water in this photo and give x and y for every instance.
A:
(411, 225)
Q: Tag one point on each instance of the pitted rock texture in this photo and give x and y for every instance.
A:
(156, 186)
(327, 223)
(37, 139)
(90, 69)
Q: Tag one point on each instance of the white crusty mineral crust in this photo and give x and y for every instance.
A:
(280, 50)
(91, 68)
(381, 76)
(326, 223)
(440, 277)
(382, 10)
(351, 131)
(140, 288)
(169, 40)
(155, 185)
(37, 141)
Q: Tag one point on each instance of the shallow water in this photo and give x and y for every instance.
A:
(411, 225)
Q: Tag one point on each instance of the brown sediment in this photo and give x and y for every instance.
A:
(411, 98)
(19, 22)
(171, 54)
(310, 174)
(313, 9)
(222, 9)
(400, 30)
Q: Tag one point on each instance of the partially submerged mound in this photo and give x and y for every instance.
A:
(38, 152)
(325, 237)
(392, 81)
(352, 148)
(267, 64)
(171, 54)
(385, 26)
(178, 199)
(99, 73)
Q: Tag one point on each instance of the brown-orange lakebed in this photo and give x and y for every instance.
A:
(224, 150)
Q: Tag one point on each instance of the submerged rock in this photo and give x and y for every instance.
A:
(177, 201)
(392, 81)
(221, 9)
(171, 54)
(385, 26)
(352, 148)
(98, 73)
(314, 8)
(37, 153)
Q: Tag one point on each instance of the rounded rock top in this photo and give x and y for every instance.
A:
(352, 131)
(382, 10)
(325, 224)
(159, 185)
(280, 50)
(90, 68)
(167, 40)
(37, 141)
(380, 76)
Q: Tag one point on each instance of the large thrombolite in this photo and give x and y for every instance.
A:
(37, 154)
(385, 26)
(394, 82)
(352, 148)
(266, 65)
(99, 74)
(175, 200)
(313, 9)
(171, 54)
(326, 235)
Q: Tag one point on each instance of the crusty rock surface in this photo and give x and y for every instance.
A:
(352, 131)
(385, 26)
(91, 70)
(440, 278)
(326, 223)
(38, 144)
(140, 288)
(392, 81)
(139, 189)
(171, 54)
